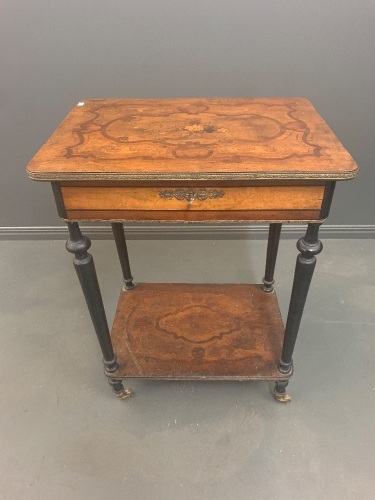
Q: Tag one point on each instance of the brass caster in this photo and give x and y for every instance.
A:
(282, 398)
(124, 393)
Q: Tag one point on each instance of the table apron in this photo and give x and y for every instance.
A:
(192, 203)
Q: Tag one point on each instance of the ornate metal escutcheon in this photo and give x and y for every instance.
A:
(191, 194)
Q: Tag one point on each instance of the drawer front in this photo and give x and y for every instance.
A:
(257, 202)
(253, 198)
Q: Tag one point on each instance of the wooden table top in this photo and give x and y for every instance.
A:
(192, 139)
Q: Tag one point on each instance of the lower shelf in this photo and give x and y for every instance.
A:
(198, 332)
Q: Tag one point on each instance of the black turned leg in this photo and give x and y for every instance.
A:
(122, 250)
(118, 389)
(279, 392)
(85, 268)
(309, 246)
(272, 247)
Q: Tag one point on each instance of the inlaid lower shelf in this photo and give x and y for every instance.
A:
(198, 332)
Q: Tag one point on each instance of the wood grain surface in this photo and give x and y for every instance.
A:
(259, 216)
(180, 331)
(187, 139)
(161, 198)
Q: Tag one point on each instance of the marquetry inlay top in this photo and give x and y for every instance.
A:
(203, 139)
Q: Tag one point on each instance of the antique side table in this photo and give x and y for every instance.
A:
(195, 160)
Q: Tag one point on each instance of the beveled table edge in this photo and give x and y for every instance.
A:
(189, 176)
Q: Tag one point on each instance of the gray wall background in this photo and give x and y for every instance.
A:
(55, 53)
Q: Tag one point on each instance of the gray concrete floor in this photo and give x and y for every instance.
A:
(64, 436)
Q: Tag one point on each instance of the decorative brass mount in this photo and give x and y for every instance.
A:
(191, 194)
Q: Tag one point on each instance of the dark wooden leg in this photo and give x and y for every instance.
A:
(272, 248)
(309, 246)
(279, 392)
(85, 268)
(118, 388)
(122, 250)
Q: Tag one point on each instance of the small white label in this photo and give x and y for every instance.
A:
(81, 103)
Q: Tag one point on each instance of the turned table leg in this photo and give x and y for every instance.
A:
(272, 248)
(279, 392)
(309, 246)
(85, 268)
(122, 250)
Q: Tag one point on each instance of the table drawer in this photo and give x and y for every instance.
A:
(195, 198)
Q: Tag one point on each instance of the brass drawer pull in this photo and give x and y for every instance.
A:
(191, 194)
